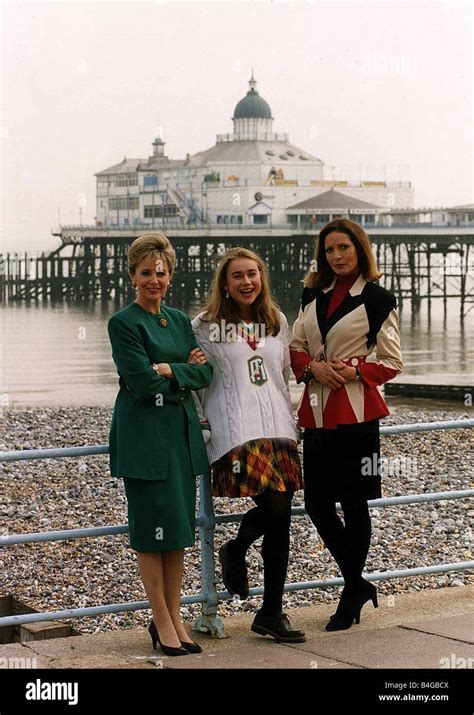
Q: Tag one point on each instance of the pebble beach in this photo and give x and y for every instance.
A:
(44, 495)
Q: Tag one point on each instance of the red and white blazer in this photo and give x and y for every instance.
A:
(363, 332)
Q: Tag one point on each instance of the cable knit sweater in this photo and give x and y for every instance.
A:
(248, 397)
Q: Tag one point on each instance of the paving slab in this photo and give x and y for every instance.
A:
(18, 656)
(102, 662)
(264, 655)
(118, 649)
(460, 628)
(125, 645)
(388, 648)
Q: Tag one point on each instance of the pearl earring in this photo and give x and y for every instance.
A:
(227, 294)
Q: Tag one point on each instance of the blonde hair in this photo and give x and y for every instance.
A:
(155, 245)
(321, 275)
(264, 309)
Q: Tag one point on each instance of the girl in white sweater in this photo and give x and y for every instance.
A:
(253, 444)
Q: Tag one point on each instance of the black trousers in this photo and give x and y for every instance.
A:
(271, 517)
(342, 465)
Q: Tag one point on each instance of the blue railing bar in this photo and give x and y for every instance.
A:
(419, 498)
(63, 534)
(375, 576)
(219, 519)
(373, 503)
(62, 452)
(85, 612)
(426, 426)
(225, 595)
(56, 453)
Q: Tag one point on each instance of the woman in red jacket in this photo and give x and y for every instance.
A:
(344, 318)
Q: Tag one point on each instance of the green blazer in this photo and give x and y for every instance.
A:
(147, 421)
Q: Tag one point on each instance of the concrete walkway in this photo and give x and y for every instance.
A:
(424, 629)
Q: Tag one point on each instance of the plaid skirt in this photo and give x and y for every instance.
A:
(255, 466)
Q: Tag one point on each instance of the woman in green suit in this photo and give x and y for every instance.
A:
(156, 443)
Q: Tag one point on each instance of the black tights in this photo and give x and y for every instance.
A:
(348, 542)
(270, 518)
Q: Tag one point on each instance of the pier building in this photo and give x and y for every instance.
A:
(252, 176)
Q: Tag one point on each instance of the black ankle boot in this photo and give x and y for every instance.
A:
(234, 571)
(350, 605)
(367, 592)
(344, 616)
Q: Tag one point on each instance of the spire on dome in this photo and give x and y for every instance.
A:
(252, 82)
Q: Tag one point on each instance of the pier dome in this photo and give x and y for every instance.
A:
(252, 106)
(252, 116)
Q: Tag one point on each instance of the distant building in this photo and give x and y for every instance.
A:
(332, 204)
(253, 176)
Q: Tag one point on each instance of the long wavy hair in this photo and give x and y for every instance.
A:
(264, 309)
(321, 275)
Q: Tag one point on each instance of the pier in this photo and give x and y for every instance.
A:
(420, 262)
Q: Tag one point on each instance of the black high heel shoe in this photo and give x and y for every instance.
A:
(368, 592)
(191, 647)
(350, 606)
(166, 649)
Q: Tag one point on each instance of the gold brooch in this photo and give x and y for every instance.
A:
(163, 323)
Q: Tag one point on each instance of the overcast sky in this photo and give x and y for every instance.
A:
(361, 85)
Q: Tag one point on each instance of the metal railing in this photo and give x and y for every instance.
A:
(209, 597)
(209, 224)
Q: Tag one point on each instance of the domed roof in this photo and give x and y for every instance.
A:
(252, 105)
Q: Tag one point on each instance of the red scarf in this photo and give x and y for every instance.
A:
(341, 289)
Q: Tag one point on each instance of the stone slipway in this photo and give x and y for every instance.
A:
(423, 629)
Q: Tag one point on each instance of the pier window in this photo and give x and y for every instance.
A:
(150, 181)
(363, 219)
(123, 203)
(229, 218)
(160, 211)
(126, 181)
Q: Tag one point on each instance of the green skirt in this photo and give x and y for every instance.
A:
(162, 514)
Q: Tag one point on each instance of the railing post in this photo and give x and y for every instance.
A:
(209, 621)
